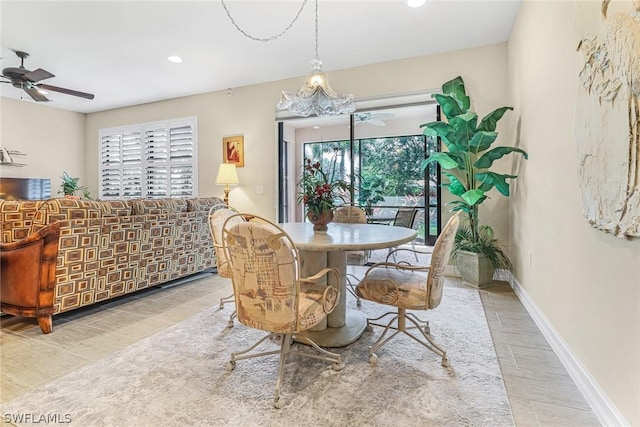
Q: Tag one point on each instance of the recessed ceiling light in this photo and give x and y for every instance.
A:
(416, 3)
(316, 127)
(175, 59)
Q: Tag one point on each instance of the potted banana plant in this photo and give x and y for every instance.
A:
(467, 166)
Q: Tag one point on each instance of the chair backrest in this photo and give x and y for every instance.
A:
(350, 214)
(265, 266)
(439, 260)
(405, 217)
(218, 214)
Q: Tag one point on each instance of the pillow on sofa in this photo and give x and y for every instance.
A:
(203, 204)
(63, 209)
(116, 208)
(158, 206)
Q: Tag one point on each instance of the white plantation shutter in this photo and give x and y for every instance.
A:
(153, 160)
(131, 165)
(181, 172)
(156, 171)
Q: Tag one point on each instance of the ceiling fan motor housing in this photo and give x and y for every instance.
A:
(16, 75)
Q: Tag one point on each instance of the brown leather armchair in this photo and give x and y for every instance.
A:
(27, 275)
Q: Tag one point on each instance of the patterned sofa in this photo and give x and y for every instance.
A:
(102, 250)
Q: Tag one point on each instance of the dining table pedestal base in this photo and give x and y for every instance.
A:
(354, 327)
(342, 326)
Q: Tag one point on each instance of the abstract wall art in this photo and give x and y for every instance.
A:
(607, 124)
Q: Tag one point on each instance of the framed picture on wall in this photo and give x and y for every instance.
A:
(233, 150)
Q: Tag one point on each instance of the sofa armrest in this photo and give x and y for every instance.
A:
(27, 275)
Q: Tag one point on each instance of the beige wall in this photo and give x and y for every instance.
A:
(586, 283)
(52, 139)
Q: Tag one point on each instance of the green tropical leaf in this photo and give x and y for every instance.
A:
(487, 159)
(445, 131)
(482, 140)
(445, 160)
(464, 127)
(456, 187)
(441, 129)
(450, 107)
(469, 116)
(485, 186)
(473, 197)
(490, 121)
(495, 180)
(455, 89)
(458, 205)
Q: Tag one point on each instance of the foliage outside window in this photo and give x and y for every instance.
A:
(387, 172)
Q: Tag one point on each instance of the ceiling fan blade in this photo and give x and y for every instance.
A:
(35, 94)
(37, 75)
(67, 91)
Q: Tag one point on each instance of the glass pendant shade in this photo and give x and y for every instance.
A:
(316, 96)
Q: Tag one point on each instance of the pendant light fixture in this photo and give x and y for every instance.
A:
(316, 95)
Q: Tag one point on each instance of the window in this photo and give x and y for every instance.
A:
(151, 160)
(387, 175)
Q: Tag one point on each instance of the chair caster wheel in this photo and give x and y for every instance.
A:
(427, 330)
(373, 359)
(369, 328)
(359, 303)
(337, 366)
(279, 402)
(445, 362)
(231, 365)
(230, 324)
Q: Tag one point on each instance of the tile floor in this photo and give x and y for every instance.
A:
(539, 389)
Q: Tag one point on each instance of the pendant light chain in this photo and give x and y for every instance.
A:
(316, 29)
(267, 39)
(316, 95)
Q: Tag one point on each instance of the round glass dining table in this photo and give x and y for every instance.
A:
(329, 249)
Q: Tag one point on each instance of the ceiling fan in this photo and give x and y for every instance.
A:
(28, 81)
(371, 118)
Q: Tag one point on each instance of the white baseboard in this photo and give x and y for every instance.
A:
(600, 403)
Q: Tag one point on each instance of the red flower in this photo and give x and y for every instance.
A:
(319, 189)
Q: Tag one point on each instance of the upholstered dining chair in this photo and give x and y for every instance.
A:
(218, 214)
(271, 296)
(352, 215)
(404, 287)
(405, 217)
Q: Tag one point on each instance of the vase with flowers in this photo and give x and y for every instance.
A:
(320, 189)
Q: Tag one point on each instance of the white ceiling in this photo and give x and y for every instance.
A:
(117, 50)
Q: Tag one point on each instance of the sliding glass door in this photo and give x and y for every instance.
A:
(380, 152)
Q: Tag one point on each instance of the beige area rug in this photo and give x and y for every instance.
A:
(177, 377)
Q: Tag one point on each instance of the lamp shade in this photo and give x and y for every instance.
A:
(227, 174)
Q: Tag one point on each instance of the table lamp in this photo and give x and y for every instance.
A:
(227, 175)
